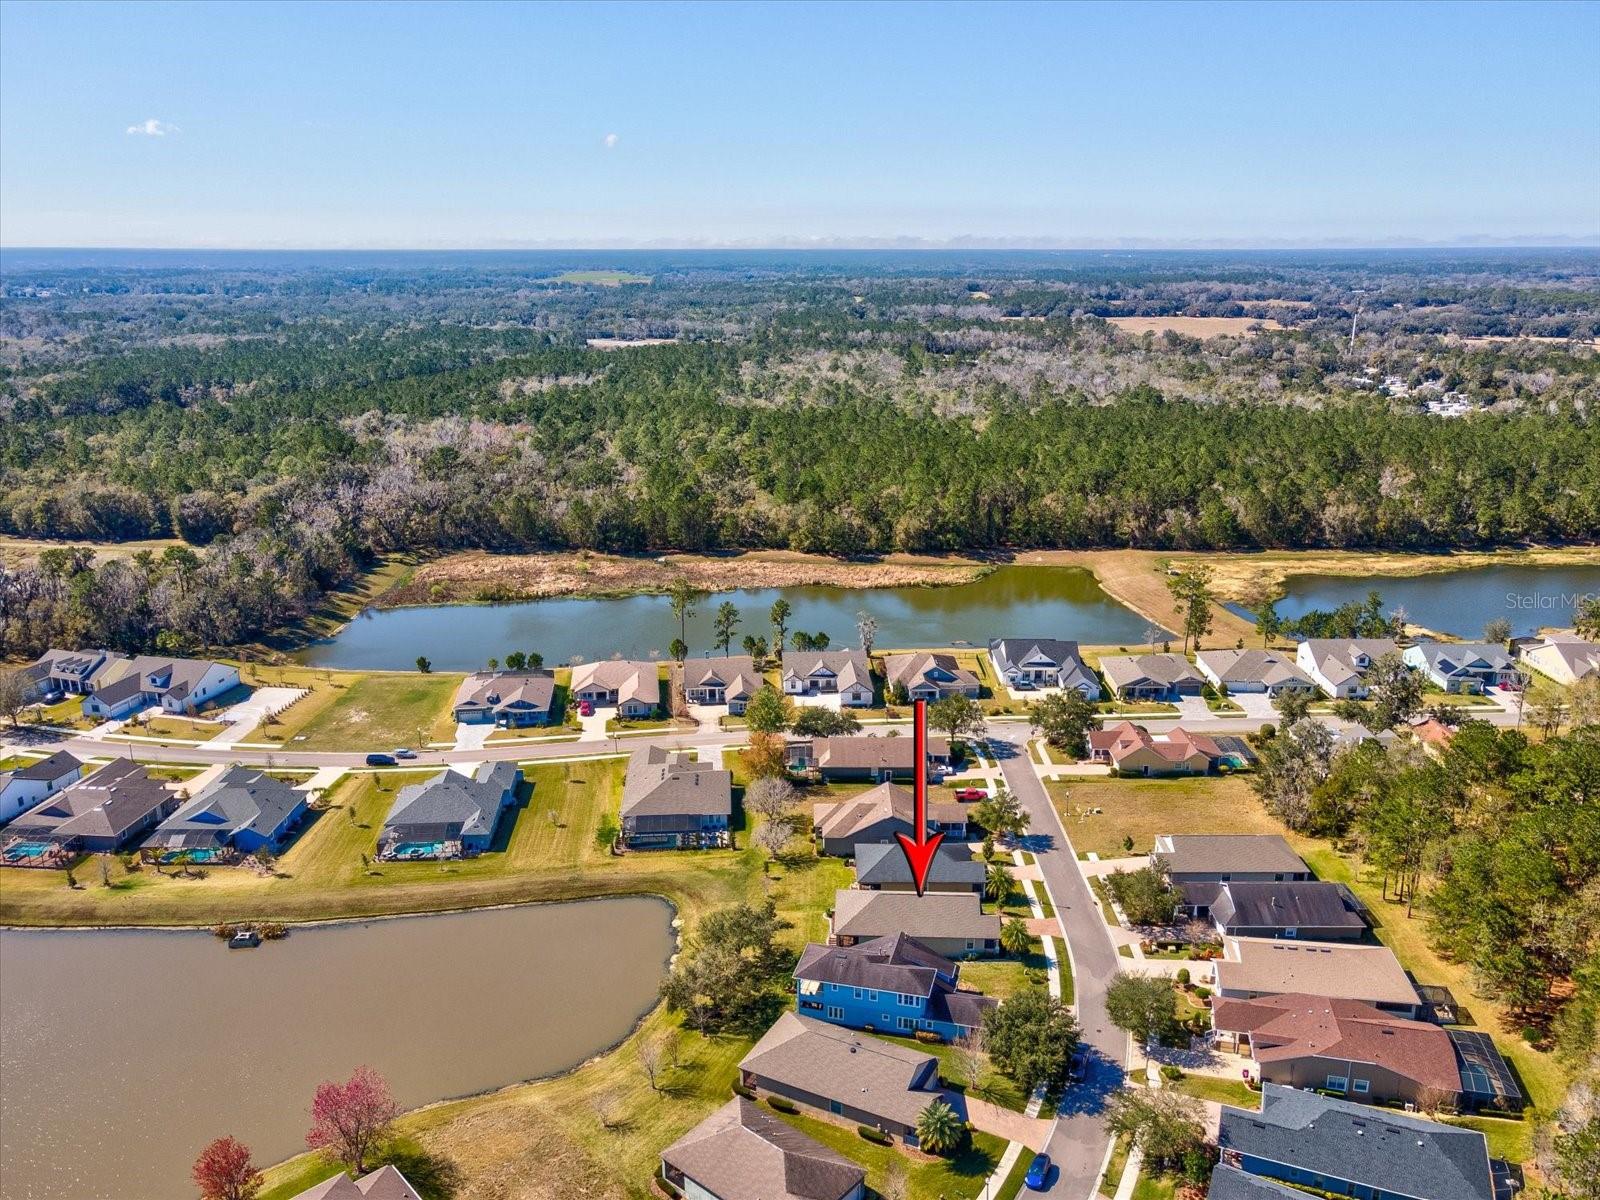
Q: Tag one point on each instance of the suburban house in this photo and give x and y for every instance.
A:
(1345, 1046)
(123, 686)
(69, 671)
(929, 676)
(1469, 667)
(1027, 664)
(1339, 665)
(1319, 912)
(949, 923)
(882, 867)
(743, 1152)
(851, 1075)
(1198, 864)
(730, 680)
(1434, 734)
(892, 984)
(23, 787)
(451, 815)
(385, 1183)
(100, 813)
(842, 673)
(1132, 749)
(1354, 1150)
(508, 699)
(1253, 671)
(1564, 657)
(1251, 967)
(632, 688)
(1230, 1183)
(867, 757)
(1151, 676)
(876, 816)
(241, 811)
(672, 802)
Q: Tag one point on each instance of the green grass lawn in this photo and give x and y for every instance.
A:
(1209, 1087)
(992, 1086)
(1510, 1140)
(1142, 808)
(959, 1178)
(375, 712)
(1114, 1166)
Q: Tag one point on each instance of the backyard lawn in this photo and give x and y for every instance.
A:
(374, 712)
(1142, 808)
(1210, 1087)
(958, 1178)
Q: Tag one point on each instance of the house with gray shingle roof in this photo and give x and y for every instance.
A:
(729, 679)
(70, 671)
(1339, 665)
(882, 867)
(1462, 667)
(671, 801)
(1029, 664)
(1564, 657)
(509, 699)
(877, 816)
(929, 676)
(1352, 1149)
(123, 686)
(1322, 912)
(386, 1183)
(861, 1078)
(1151, 676)
(241, 811)
(23, 787)
(1199, 864)
(451, 815)
(741, 1152)
(1260, 671)
(949, 923)
(843, 673)
(867, 756)
(891, 984)
(100, 813)
(1230, 1183)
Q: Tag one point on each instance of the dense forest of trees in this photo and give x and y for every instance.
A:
(320, 414)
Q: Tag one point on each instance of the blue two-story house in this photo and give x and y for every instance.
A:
(888, 985)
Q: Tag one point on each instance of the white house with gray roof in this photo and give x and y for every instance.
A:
(23, 787)
(842, 673)
(508, 699)
(1340, 665)
(1035, 664)
(1466, 667)
(123, 686)
(632, 688)
(730, 679)
(451, 815)
(1564, 657)
(670, 801)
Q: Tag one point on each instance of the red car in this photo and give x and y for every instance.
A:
(585, 709)
(971, 794)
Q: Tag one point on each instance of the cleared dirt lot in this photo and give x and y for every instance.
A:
(1200, 327)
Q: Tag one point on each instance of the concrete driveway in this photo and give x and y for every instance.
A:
(1032, 1132)
(823, 700)
(594, 728)
(473, 737)
(247, 715)
(708, 716)
(1193, 708)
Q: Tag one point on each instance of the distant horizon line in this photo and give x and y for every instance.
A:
(1040, 245)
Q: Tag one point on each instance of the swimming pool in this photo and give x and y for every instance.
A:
(418, 850)
(26, 850)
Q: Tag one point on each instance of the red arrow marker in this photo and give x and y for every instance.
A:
(919, 853)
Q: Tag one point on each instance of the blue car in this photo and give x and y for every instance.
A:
(1038, 1172)
(381, 760)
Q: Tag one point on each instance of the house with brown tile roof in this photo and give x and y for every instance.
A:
(672, 801)
(929, 677)
(1345, 1046)
(851, 1075)
(632, 688)
(742, 1152)
(1131, 749)
(876, 816)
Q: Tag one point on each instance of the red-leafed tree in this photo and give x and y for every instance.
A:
(351, 1119)
(224, 1171)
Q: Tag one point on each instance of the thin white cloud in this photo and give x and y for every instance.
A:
(150, 127)
(611, 140)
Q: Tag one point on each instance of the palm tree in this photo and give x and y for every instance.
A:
(1014, 937)
(939, 1130)
(997, 881)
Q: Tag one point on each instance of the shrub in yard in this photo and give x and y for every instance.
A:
(1171, 1072)
(1201, 992)
(739, 1089)
(874, 1135)
(929, 1036)
(781, 1105)
(1531, 1035)
(1183, 977)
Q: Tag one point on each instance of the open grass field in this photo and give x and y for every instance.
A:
(603, 278)
(372, 711)
(1200, 327)
(1142, 808)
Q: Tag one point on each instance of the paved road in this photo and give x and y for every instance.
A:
(1079, 1141)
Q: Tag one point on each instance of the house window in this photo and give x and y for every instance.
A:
(1289, 933)
(1338, 1083)
(906, 1022)
(1361, 1087)
(872, 995)
(835, 1107)
(971, 945)
(835, 1013)
(860, 992)
(908, 1001)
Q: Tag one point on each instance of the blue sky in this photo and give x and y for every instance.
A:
(424, 125)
